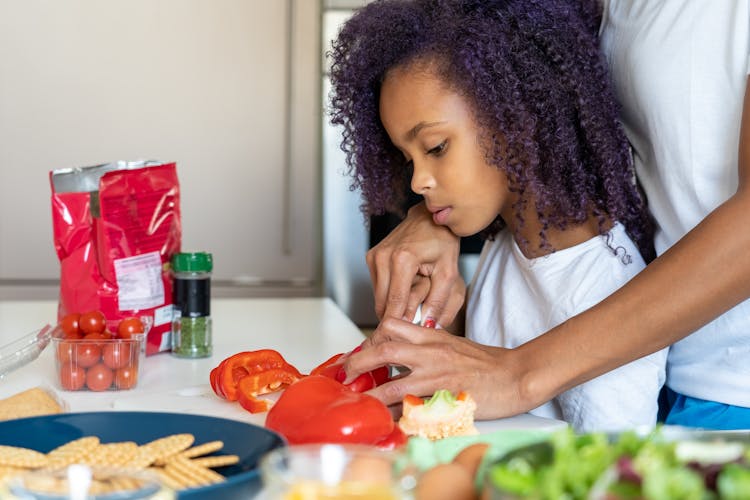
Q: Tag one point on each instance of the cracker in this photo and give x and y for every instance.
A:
(29, 403)
(112, 454)
(167, 479)
(21, 457)
(216, 461)
(203, 449)
(143, 458)
(170, 445)
(72, 452)
(7, 471)
(190, 474)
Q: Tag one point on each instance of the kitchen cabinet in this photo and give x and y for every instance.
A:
(229, 89)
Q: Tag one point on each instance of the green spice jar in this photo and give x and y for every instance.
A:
(191, 322)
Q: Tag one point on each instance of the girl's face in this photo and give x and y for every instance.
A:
(435, 130)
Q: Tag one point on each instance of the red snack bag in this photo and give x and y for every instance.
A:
(115, 229)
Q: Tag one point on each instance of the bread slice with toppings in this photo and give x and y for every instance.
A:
(442, 415)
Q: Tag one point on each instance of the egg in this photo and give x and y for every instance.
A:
(368, 469)
(471, 457)
(449, 481)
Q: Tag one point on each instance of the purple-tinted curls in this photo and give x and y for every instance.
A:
(536, 80)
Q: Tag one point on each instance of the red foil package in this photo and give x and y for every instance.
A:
(115, 228)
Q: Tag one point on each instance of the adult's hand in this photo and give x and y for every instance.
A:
(437, 359)
(417, 263)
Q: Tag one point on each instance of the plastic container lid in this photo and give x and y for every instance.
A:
(196, 262)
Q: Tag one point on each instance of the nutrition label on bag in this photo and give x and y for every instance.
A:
(139, 281)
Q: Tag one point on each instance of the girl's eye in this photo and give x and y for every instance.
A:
(438, 150)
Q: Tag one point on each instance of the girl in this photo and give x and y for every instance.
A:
(500, 116)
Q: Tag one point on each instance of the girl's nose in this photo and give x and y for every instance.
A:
(421, 178)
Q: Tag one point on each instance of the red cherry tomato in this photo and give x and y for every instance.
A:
(69, 326)
(97, 336)
(86, 353)
(72, 377)
(92, 321)
(129, 327)
(117, 354)
(99, 377)
(65, 351)
(126, 377)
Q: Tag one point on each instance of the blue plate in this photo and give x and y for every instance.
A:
(247, 441)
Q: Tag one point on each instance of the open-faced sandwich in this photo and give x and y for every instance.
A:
(440, 416)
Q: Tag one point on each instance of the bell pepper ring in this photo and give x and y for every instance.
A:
(317, 409)
(226, 377)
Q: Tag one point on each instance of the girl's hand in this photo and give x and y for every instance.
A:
(436, 359)
(417, 263)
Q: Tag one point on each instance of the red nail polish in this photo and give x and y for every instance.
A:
(429, 323)
(357, 349)
(341, 375)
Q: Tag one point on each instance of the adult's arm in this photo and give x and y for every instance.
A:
(417, 263)
(699, 278)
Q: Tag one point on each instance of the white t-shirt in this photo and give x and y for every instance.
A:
(680, 69)
(513, 299)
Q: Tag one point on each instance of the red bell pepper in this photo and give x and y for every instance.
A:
(333, 368)
(226, 377)
(255, 384)
(317, 409)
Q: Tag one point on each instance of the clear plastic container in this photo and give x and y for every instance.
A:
(81, 482)
(97, 364)
(329, 471)
(24, 350)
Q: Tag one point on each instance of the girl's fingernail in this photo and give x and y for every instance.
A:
(429, 322)
(341, 375)
(357, 349)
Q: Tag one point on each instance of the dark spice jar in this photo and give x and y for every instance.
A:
(191, 322)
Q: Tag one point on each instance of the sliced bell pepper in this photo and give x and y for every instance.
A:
(255, 384)
(332, 368)
(226, 377)
(317, 409)
(332, 361)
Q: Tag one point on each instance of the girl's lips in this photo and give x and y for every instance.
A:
(440, 217)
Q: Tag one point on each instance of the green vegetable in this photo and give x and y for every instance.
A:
(733, 482)
(626, 466)
(441, 400)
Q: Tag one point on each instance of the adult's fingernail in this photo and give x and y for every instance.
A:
(429, 322)
(357, 349)
(341, 375)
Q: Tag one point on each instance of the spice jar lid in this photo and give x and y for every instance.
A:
(192, 262)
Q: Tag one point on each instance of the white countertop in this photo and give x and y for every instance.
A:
(306, 331)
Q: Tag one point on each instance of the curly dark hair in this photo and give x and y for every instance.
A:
(531, 71)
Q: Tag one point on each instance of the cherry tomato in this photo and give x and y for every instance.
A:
(99, 377)
(116, 354)
(129, 327)
(65, 351)
(69, 326)
(92, 321)
(86, 354)
(72, 377)
(126, 377)
(98, 336)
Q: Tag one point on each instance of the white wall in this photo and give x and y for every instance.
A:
(230, 89)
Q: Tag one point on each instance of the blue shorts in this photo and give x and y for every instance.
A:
(693, 412)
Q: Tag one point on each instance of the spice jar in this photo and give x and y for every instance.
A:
(191, 322)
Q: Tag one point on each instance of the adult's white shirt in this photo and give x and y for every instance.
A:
(680, 69)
